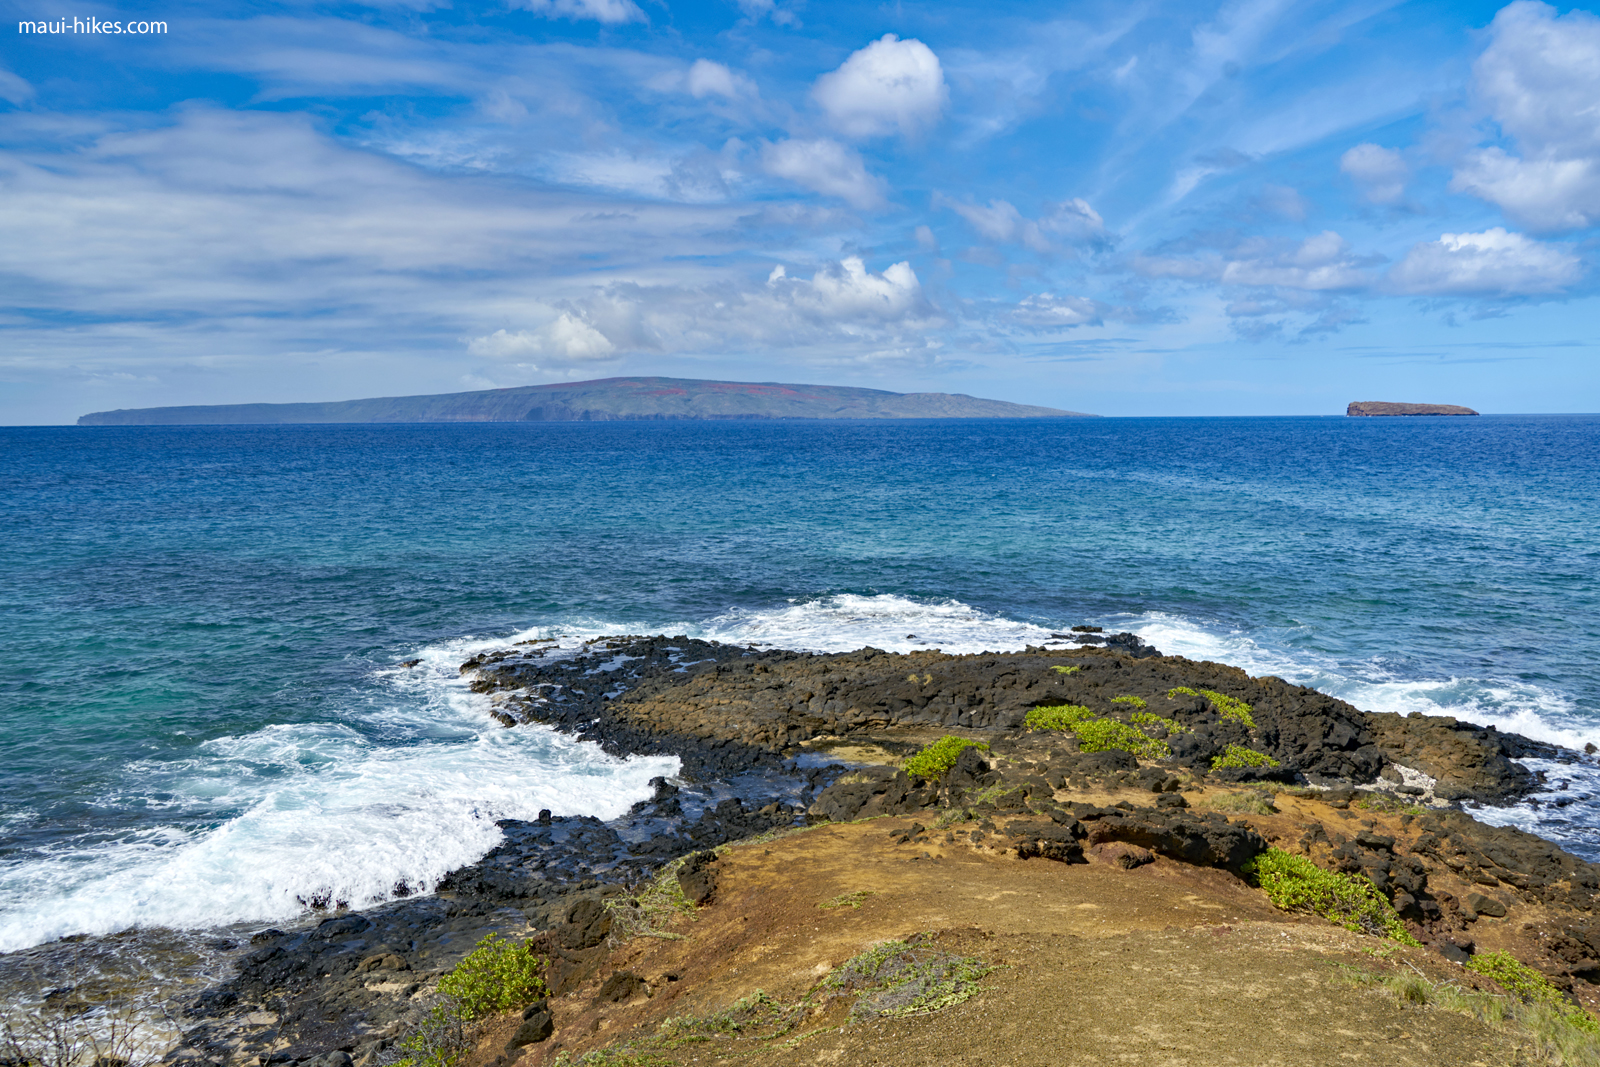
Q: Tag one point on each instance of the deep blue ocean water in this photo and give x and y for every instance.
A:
(202, 718)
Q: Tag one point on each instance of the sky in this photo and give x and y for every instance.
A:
(1128, 208)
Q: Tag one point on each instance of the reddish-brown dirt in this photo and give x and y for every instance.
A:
(1163, 964)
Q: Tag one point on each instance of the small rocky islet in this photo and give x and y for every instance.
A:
(774, 740)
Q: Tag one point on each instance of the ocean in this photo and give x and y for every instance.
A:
(205, 725)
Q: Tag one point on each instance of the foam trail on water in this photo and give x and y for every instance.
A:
(406, 790)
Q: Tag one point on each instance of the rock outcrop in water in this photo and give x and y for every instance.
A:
(605, 400)
(772, 740)
(1385, 407)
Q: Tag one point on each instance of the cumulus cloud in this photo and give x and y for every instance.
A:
(1323, 263)
(1492, 263)
(611, 12)
(713, 79)
(1380, 172)
(1540, 77)
(566, 341)
(843, 306)
(824, 166)
(887, 86)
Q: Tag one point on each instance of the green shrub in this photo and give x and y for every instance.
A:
(497, 976)
(1228, 707)
(438, 1040)
(1150, 718)
(1294, 883)
(1137, 702)
(1066, 670)
(1529, 986)
(940, 756)
(1099, 735)
(1059, 717)
(1239, 756)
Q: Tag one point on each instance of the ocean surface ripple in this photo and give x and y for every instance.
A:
(205, 724)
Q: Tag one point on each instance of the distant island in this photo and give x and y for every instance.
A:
(1384, 407)
(606, 400)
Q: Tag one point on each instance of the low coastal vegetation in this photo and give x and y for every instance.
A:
(1294, 883)
(891, 980)
(650, 909)
(1560, 1032)
(1250, 802)
(940, 756)
(498, 976)
(1228, 707)
(1099, 735)
(1239, 756)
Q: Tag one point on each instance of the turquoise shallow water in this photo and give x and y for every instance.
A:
(202, 720)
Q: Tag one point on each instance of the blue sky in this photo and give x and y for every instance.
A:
(1125, 208)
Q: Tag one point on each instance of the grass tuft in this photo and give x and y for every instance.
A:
(648, 911)
(848, 900)
(1248, 803)
(1558, 1038)
(1530, 987)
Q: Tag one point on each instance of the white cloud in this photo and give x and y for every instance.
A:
(887, 86)
(611, 12)
(1045, 309)
(1543, 194)
(1492, 263)
(755, 10)
(567, 340)
(713, 79)
(843, 308)
(852, 292)
(1318, 264)
(14, 90)
(1540, 77)
(1381, 172)
(1001, 222)
(826, 167)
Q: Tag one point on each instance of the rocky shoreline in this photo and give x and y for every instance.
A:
(771, 740)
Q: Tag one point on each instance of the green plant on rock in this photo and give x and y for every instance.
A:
(499, 975)
(1057, 717)
(1294, 883)
(1101, 735)
(1228, 707)
(1137, 702)
(1239, 756)
(940, 756)
(1151, 719)
(1531, 987)
(1066, 670)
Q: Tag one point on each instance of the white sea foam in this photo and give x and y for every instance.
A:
(893, 623)
(1531, 710)
(406, 791)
